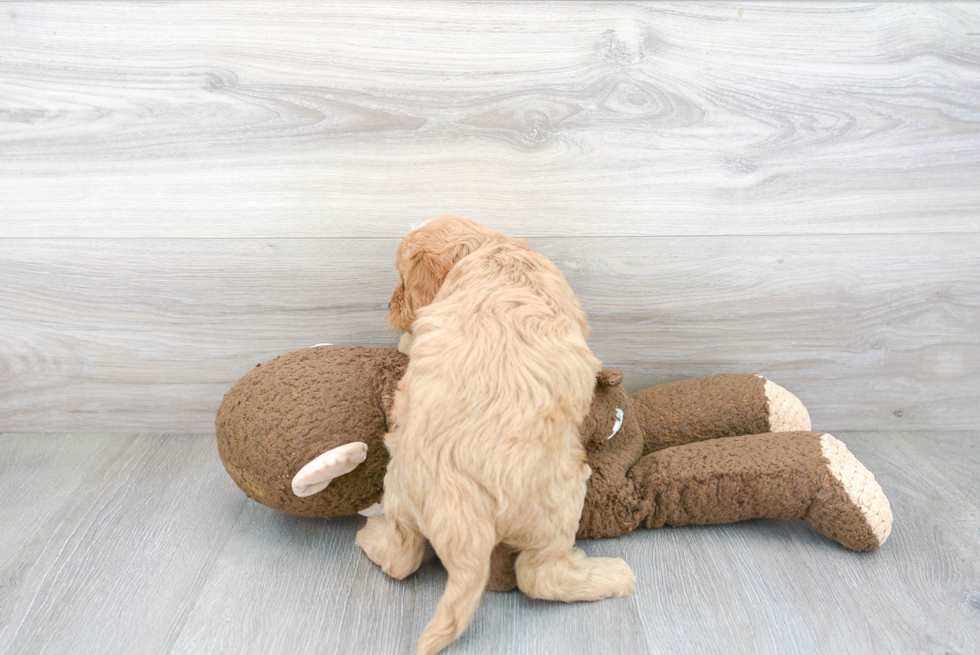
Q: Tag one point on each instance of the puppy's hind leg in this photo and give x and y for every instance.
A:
(551, 568)
(569, 575)
(393, 542)
(464, 543)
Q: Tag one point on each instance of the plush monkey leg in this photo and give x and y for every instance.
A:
(715, 406)
(785, 475)
(503, 576)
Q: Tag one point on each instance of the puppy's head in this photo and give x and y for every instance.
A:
(425, 257)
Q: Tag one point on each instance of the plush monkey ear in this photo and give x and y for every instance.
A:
(610, 377)
(318, 474)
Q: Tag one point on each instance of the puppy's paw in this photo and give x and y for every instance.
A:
(398, 553)
(575, 578)
(612, 576)
(405, 343)
(371, 539)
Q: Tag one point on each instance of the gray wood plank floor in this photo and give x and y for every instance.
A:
(140, 543)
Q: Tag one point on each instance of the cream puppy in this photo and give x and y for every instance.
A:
(485, 446)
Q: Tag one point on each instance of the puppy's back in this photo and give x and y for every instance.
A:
(499, 371)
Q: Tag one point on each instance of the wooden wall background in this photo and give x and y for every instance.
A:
(189, 188)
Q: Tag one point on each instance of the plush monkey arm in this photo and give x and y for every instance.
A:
(787, 475)
(715, 406)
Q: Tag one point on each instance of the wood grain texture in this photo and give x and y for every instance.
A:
(255, 119)
(187, 189)
(113, 560)
(150, 552)
(313, 591)
(38, 475)
(870, 331)
(757, 586)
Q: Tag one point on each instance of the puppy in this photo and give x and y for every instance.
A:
(485, 446)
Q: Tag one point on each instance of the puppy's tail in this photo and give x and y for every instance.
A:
(465, 552)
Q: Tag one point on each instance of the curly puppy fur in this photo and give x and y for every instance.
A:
(485, 448)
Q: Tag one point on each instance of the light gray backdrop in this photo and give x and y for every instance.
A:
(791, 189)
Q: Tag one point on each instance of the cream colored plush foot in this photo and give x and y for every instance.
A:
(852, 508)
(786, 412)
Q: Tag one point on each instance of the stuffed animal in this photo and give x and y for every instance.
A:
(304, 434)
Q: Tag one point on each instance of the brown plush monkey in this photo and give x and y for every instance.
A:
(304, 434)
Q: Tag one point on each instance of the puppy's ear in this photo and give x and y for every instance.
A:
(423, 277)
(609, 377)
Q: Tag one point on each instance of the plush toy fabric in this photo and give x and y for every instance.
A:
(710, 450)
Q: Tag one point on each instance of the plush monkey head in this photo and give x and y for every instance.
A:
(332, 404)
(285, 413)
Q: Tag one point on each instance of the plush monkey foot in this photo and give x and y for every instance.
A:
(850, 507)
(784, 411)
(780, 475)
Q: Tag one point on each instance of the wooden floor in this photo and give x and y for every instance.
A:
(141, 543)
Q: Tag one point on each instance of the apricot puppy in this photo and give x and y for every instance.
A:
(485, 446)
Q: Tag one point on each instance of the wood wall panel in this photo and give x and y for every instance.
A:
(869, 331)
(258, 119)
(189, 188)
